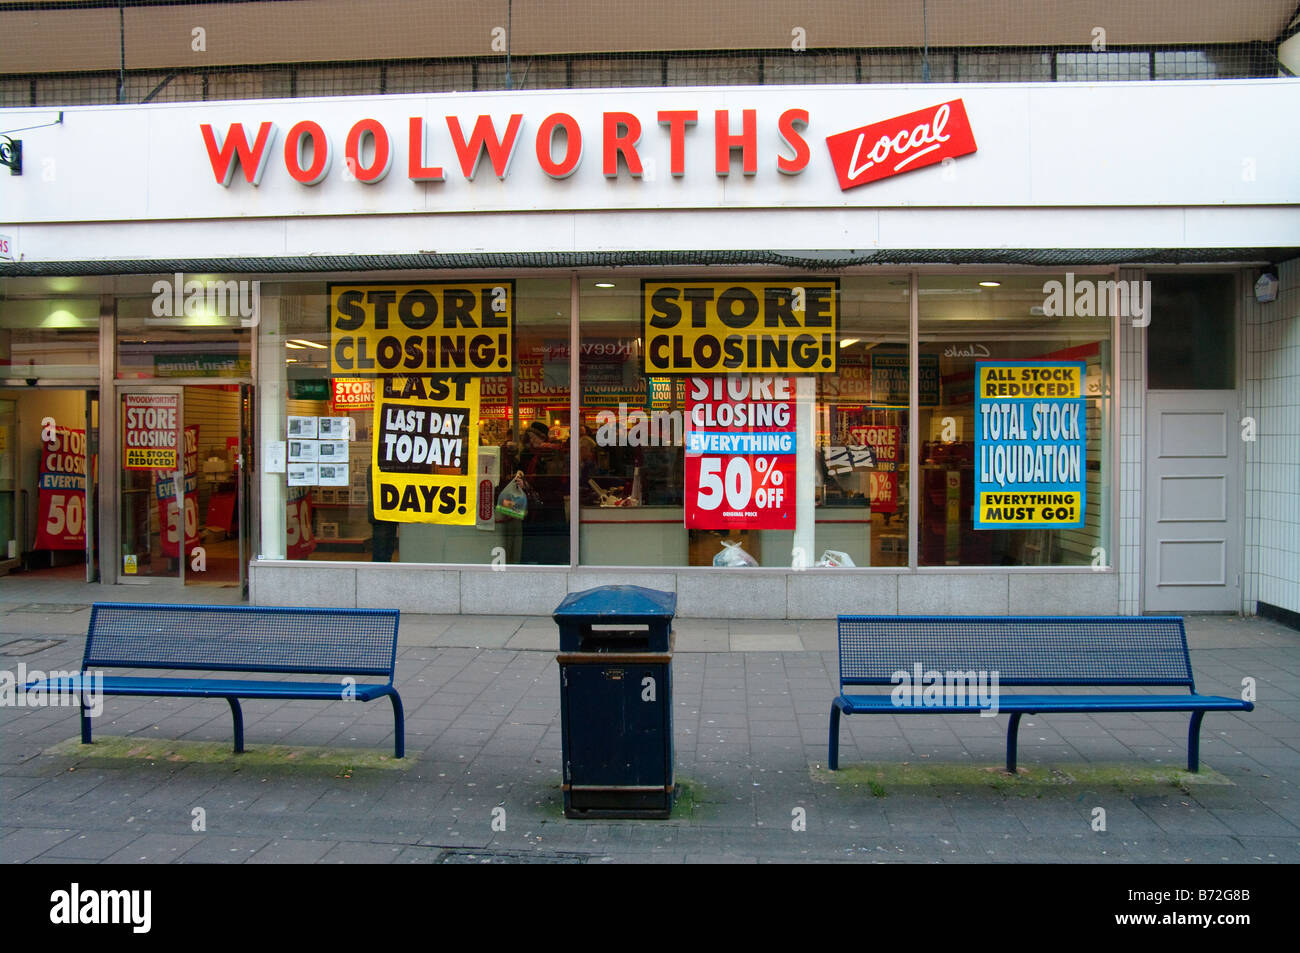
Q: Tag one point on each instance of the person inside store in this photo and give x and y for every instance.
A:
(543, 463)
(586, 455)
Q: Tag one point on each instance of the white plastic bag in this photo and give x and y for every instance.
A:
(513, 501)
(733, 555)
(833, 557)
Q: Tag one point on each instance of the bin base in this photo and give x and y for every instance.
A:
(618, 802)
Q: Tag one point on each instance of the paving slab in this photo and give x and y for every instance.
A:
(751, 701)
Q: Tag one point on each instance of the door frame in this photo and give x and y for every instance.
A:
(112, 528)
(110, 437)
(18, 527)
(1242, 285)
(94, 412)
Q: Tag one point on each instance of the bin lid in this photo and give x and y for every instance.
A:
(619, 602)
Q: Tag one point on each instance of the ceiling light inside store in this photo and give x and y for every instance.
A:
(296, 347)
(990, 284)
(303, 342)
(205, 320)
(63, 318)
(849, 341)
(604, 284)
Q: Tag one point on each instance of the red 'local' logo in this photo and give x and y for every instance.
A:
(901, 144)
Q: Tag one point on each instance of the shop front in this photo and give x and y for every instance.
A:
(785, 351)
(821, 469)
(150, 490)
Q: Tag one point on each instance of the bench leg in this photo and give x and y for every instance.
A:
(1194, 742)
(238, 715)
(833, 751)
(85, 720)
(399, 727)
(1013, 735)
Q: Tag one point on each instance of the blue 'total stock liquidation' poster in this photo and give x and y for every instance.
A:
(1030, 457)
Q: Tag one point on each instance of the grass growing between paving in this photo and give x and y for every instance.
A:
(338, 761)
(880, 779)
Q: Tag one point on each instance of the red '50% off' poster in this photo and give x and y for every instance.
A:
(740, 452)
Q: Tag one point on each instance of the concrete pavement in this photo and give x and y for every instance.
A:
(481, 782)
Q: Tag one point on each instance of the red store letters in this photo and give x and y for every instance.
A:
(308, 150)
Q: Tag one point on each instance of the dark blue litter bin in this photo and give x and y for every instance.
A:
(616, 705)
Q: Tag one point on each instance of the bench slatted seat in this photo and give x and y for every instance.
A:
(1101, 652)
(347, 644)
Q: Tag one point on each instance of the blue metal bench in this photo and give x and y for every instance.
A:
(348, 644)
(1024, 652)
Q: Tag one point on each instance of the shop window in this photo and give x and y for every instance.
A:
(525, 417)
(186, 326)
(863, 430)
(844, 488)
(1039, 453)
(522, 428)
(47, 339)
(643, 500)
(630, 434)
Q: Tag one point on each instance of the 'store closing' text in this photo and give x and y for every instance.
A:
(709, 327)
(444, 327)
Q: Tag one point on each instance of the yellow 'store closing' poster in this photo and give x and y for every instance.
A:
(435, 327)
(426, 453)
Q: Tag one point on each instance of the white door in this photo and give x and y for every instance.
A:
(1193, 502)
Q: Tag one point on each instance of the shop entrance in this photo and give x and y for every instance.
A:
(49, 465)
(182, 493)
(1193, 501)
(1193, 480)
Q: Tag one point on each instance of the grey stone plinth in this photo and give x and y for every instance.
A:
(1072, 593)
(304, 584)
(826, 593)
(981, 593)
(421, 589)
(511, 591)
(731, 594)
